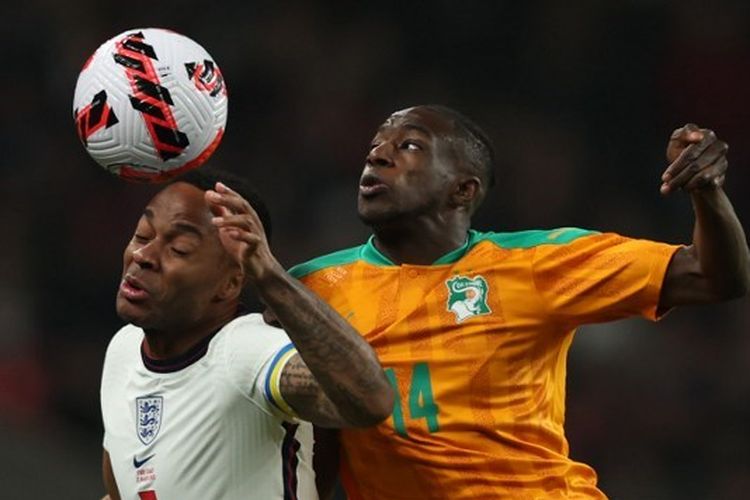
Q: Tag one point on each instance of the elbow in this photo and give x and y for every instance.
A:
(379, 408)
(730, 292)
(735, 288)
(744, 287)
(384, 408)
(741, 288)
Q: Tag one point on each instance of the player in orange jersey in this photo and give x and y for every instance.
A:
(473, 328)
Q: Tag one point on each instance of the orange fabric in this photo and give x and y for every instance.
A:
(497, 379)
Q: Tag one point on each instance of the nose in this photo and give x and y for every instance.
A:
(145, 256)
(381, 155)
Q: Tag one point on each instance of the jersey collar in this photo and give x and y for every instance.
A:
(186, 359)
(372, 255)
(178, 362)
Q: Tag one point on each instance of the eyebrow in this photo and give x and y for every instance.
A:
(410, 126)
(178, 226)
(185, 227)
(418, 128)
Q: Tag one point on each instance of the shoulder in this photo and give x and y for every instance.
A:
(123, 354)
(338, 258)
(251, 327)
(243, 348)
(248, 341)
(124, 340)
(532, 238)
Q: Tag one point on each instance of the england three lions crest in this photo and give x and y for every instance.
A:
(467, 297)
(148, 417)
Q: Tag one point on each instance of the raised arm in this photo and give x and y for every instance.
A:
(336, 381)
(716, 266)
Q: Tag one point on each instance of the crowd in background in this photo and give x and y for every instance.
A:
(579, 99)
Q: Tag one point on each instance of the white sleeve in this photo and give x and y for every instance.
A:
(103, 391)
(114, 373)
(256, 354)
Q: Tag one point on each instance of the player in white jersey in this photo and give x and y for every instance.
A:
(170, 427)
(200, 400)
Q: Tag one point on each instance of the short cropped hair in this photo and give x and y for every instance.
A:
(477, 147)
(205, 178)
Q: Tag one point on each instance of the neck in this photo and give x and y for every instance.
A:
(421, 243)
(175, 341)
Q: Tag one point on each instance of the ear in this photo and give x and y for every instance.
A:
(231, 287)
(467, 191)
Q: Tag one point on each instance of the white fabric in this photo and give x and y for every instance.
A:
(216, 435)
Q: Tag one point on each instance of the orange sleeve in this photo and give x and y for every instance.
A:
(601, 277)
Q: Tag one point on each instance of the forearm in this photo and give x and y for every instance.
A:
(719, 243)
(344, 365)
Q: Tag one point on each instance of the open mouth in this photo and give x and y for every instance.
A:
(370, 185)
(132, 289)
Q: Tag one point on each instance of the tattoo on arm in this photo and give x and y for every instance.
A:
(303, 393)
(340, 383)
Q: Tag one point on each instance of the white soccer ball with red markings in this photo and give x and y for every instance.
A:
(150, 104)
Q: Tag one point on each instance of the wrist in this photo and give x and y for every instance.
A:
(707, 195)
(267, 275)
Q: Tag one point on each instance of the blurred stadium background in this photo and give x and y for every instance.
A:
(579, 98)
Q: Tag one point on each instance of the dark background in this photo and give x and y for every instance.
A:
(579, 98)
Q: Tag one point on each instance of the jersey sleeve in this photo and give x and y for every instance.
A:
(601, 277)
(269, 382)
(104, 391)
(114, 374)
(256, 354)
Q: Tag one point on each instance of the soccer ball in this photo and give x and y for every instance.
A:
(150, 104)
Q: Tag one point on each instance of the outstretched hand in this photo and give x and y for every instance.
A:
(698, 160)
(240, 230)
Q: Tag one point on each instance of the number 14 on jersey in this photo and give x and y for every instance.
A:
(421, 403)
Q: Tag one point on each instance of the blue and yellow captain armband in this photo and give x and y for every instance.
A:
(273, 379)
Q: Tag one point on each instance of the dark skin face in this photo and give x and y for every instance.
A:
(409, 168)
(414, 188)
(178, 282)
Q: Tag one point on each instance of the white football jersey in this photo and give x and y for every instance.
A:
(209, 425)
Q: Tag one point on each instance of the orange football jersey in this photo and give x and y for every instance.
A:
(475, 346)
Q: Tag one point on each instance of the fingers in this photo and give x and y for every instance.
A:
(688, 133)
(698, 165)
(690, 151)
(691, 158)
(234, 215)
(681, 138)
(251, 238)
(236, 221)
(227, 201)
(709, 178)
(240, 231)
(225, 197)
